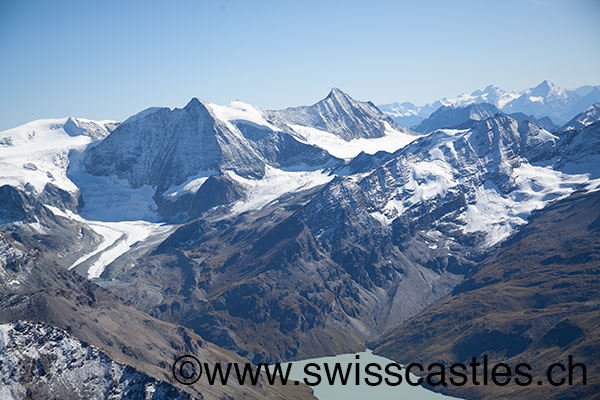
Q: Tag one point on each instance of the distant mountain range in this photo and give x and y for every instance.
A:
(544, 100)
(266, 235)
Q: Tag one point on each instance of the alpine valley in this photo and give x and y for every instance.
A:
(235, 233)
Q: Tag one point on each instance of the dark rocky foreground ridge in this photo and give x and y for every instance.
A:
(535, 299)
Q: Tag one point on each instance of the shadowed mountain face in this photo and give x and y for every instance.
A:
(447, 117)
(534, 300)
(543, 122)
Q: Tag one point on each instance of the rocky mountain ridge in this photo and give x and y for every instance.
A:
(271, 239)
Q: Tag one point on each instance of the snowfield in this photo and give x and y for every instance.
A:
(338, 147)
(239, 110)
(275, 184)
(37, 153)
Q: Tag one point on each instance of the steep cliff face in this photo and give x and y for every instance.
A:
(164, 147)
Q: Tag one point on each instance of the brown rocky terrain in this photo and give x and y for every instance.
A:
(535, 299)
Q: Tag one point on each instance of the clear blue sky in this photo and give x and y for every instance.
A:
(110, 59)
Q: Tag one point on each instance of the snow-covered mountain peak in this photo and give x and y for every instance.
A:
(241, 111)
(197, 108)
(164, 147)
(546, 89)
(336, 92)
(494, 95)
(544, 100)
(94, 129)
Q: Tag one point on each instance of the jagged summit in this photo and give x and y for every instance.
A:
(194, 102)
(336, 92)
(339, 96)
(342, 115)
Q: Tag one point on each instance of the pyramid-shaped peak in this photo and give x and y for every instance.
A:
(196, 106)
(544, 87)
(546, 83)
(338, 94)
(194, 102)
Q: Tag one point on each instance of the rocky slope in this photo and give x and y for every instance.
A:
(38, 361)
(534, 300)
(454, 116)
(543, 122)
(35, 290)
